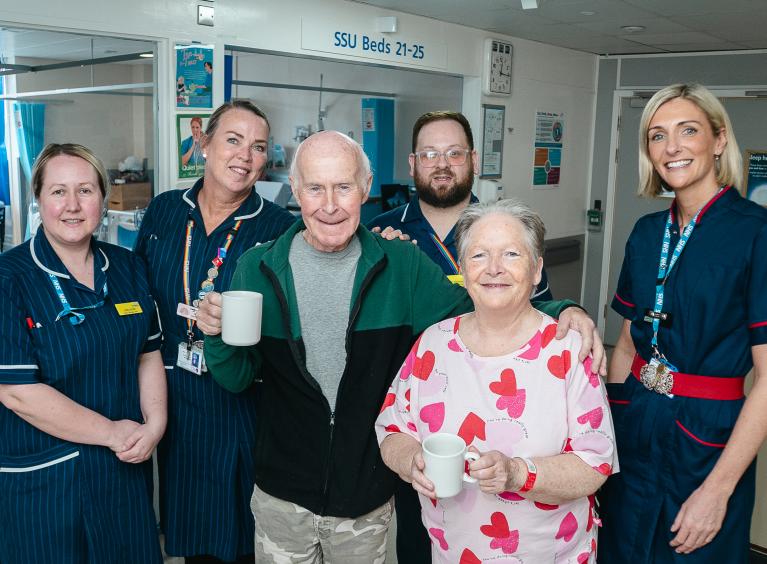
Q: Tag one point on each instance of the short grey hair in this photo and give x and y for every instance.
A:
(535, 230)
(363, 162)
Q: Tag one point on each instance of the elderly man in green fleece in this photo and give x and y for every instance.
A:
(341, 309)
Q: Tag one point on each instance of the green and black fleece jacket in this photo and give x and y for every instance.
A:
(326, 460)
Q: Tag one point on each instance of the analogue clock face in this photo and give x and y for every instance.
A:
(500, 69)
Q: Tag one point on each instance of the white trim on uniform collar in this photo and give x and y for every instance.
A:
(185, 197)
(59, 274)
(404, 213)
(255, 213)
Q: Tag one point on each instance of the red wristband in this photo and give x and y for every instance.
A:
(532, 474)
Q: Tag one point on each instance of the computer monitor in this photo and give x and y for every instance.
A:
(394, 195)
(277, 192)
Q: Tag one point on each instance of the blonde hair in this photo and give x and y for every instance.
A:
(729, 168)
(53, 150)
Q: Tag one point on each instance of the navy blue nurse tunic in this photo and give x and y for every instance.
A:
(206, 456)
(63, 502)
(717, 296)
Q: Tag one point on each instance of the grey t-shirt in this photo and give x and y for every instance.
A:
(324, 283)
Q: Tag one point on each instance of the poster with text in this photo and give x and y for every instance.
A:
(547, 161)
(194, 76)
(756, 176)
(189, 129)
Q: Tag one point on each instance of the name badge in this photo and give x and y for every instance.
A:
(191, 358)
(456, 279)
(187, 311)
(128, 308)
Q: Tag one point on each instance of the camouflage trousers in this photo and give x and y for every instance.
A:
(287, 533)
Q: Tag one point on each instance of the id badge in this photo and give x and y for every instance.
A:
(187, 311)
(191, 359)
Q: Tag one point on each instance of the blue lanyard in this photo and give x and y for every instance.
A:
(665, 266)
(74, 312)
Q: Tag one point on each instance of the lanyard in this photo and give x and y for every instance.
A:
(665, 266)
(207, 285)
(76, 317)
(445, 253)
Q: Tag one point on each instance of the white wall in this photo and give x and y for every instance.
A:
(544, 77)
(417, 93)
(113, 126)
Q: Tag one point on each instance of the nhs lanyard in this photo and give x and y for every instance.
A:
(75, 317)
(665, 266)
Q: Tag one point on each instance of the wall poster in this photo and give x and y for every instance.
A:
(755, 176)
(493, 118)
(194, 76)
(189, 129)
(547, 161)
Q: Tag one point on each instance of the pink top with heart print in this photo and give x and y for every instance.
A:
(537, 401)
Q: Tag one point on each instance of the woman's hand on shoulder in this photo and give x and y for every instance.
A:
(496, 472)
(390, 233)
(578, 320)
(209, 314)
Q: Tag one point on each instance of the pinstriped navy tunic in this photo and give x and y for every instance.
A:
(206, 455)
(63, 502)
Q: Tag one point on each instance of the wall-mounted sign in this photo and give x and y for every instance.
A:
(194, 76)
(493, 118)
(369, 44)
(189, 130)
(547, 160)
(755, 176)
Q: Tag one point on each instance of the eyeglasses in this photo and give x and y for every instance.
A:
(453, 157)
(340, 190)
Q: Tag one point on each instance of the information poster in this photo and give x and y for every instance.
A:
(492, 141)
(547, 163)
(189, 130)
(194, 76)
(755, 176)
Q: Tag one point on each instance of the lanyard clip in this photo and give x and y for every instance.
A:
(189, 340)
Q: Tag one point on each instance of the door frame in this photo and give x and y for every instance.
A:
(609, 217)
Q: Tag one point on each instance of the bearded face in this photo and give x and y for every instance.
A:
(444, 186)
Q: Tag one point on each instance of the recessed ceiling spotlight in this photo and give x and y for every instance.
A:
(587, 13)
(146, 55)
(632, 28)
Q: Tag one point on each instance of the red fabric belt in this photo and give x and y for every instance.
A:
(702, 387)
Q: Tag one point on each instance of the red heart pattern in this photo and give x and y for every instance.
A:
(559, 365)
(507, 385)
(439, 536)
(567, 527)
(388, 400)
(593, 417)
(503, 538)
(473, 426)
(392, 429)
(514, 405)
(468, 557)
(548, 335)
(423, 365)
(510, 496)
(545, 506)
(433, 415)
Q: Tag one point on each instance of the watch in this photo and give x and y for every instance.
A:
(532, 474)
(497, 68)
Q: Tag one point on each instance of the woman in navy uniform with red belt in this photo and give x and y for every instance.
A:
(81, 382)
(693, 292)
(191, 240)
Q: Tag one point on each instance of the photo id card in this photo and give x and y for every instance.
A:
(191, 358)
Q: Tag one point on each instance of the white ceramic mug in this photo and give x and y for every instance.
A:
(445, 455)
(241, 318)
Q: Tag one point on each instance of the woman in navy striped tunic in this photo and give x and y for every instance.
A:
(81, 382)
(191, 240)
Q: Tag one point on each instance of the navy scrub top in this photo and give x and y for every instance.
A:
(205, 457)
(716, 292)
(410, 220)
(54, 490)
